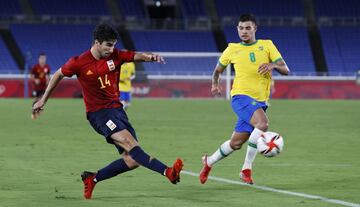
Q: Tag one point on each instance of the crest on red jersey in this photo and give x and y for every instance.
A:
(111, 65)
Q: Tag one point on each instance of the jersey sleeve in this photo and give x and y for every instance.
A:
(225, 59)
(132, 68)
(126, 56)
(33, 70)
(274, 52)
(49, 70)
(69, 68)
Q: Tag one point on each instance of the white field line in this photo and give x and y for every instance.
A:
(303, 195)
(283, 165)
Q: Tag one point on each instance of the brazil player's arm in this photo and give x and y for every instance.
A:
(148, 57)
(133, 75)
(54, 82)
(279, 66)
(215, 86)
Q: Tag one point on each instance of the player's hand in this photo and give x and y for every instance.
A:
(157, 58)
(266, 68)
(215, 90)
(37, 109)
(37, 81)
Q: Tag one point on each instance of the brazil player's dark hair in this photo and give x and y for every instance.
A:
(248, 17)
(104, 32)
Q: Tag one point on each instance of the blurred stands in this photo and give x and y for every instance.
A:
(7, 63)
(69, 7)
(337, 8)
(63, 28)
(133, 9)
(59, 42)
(193, 9)
(260, 8)
(177, 41)
(10, 7)
(341, 47)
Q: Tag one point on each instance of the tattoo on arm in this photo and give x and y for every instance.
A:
(216, 76)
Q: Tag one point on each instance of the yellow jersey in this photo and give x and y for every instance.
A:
(246, 59)
(127, 70)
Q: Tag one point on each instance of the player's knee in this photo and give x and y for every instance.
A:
(129, 142)
(263, 125)
(130, 162)
(236, 144)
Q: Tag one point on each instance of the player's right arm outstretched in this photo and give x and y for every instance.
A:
(54, 82)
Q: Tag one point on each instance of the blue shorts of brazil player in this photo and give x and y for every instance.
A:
(125, 96)
(109, 121)
(244, 107)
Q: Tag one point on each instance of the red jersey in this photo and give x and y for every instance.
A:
(99, 78)
(40, 73)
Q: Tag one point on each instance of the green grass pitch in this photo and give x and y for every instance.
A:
(40, 161)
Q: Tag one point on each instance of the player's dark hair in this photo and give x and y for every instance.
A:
(248, 17)
(42, 54)
(104, 32)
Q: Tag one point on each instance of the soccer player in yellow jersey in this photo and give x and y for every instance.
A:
(127, 74)
(254, 61)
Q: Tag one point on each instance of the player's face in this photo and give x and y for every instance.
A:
(246, 31)
(42, 60)
(105, 48)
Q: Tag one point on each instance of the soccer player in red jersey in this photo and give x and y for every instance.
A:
(97, 70)
(39, 76)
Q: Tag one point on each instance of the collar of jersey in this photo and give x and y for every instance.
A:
(249, 44)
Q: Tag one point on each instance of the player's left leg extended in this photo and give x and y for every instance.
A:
(235, 143)
(124, 139)
(115, 168)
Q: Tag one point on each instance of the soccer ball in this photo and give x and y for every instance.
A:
(270, 144)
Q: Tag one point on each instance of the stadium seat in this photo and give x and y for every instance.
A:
(179, 41)
(7, 63)
(263, 8)
(69, 7)
(341, 49)
(10, 7)
(59, 42)
(337, 8)
(132, 9)
(193, 9)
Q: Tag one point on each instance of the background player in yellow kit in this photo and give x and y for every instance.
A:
(127, 74)
(254, 61)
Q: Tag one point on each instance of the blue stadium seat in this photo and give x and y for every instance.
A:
(171, 41)
(337, 8)
(132, 9)
(10, 7)
(180, 41)
(263, 8)
(193, 8)
(341, 47)
(292, 42)
(7, 63)
(69, 7)
(59, 42)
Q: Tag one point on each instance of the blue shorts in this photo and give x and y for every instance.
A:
(125, 96)
(109, 121)
(244, 107)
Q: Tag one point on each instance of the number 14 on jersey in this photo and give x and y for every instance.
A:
(104, 82)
